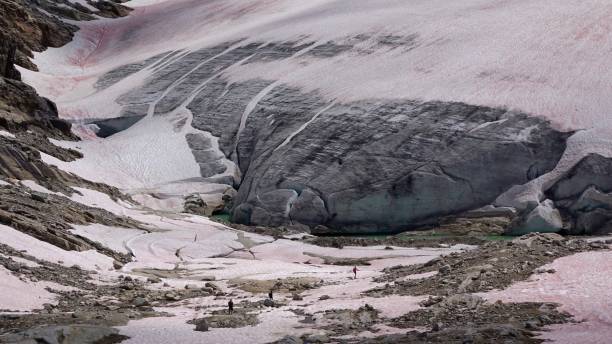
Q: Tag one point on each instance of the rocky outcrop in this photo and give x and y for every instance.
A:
(545, 218)
(364, 166)
(30, 121)
(28, 29)
(584, 196)
(194, 204)
(21, 108)
(26, 25)
(377, 166)
(50, 217)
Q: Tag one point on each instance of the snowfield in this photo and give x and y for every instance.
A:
(186, 248)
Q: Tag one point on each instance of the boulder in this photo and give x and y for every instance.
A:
(172, 297)
(201, 325)
(309, 209)
(584, 196)
(140, 301)
(212, 285)
(545, 218)
(195, 205)
(154, 279)
(289, 340)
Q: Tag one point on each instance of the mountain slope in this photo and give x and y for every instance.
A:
(355, 115)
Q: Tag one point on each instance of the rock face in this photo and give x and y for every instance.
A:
(584, 196)
(21, 108)
(7, 61)
(30, 121)
(383, 165)
(363, 166)
(50, 218)
(26, 28)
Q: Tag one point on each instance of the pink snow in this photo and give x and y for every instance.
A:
(113, 238)
(581, 284)
(275, 324)
(24, 295)
(90, 260)
(466, 50)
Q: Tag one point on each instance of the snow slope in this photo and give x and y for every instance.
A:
(543, 57)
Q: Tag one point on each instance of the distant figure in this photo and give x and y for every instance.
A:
(270, 295)
(230, 305)
(355, 271)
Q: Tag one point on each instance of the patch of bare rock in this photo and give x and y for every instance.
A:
(466, 318)
(49, 217)
(494, 265)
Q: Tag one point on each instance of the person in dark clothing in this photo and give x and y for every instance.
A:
(270, 295)
(230, 305)
(355, 272)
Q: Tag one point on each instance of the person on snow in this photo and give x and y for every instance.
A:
(230, 306)
(355, 272)
(270, 295)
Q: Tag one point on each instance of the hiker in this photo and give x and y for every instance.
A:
(230, 305)
(355, 271)
(270, 295)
